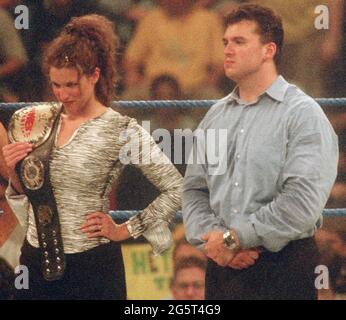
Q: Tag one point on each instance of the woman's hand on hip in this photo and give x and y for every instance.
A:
(100, 224)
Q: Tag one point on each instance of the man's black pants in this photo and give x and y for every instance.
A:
(285, 275)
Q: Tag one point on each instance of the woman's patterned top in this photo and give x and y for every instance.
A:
(82, 173)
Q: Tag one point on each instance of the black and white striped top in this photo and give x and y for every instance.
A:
(83, 171)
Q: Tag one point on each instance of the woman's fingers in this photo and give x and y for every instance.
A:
(93, 223)
(99, 224)
(95, 234)
(95, 215)
(16, 146)
(16, 157)
(92, 231)
(87, 228)
(15, 152)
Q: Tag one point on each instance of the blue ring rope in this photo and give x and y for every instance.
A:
(124, 215)
(324, 102)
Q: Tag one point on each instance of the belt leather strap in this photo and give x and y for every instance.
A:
(33, 172)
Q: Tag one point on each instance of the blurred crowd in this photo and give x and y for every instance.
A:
(172, 50)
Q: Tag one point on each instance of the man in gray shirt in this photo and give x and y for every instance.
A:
(254, 213)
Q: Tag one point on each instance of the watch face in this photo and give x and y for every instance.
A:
(229, 240)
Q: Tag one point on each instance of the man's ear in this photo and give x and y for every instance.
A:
(270, 50)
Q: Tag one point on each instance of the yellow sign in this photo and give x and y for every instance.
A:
(147, 276)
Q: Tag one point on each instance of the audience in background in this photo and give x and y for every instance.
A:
(184, 41)
(189, 279)
(7, 281)
(333, 50)
(332, 247)
(337, 197)
(13, 56)
(183, 249)
(162, 40)
(301, 62)
(126, 14)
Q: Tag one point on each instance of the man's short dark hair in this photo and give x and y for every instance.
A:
(269, 25)
(189, 262)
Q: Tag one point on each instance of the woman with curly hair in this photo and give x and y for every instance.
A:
(64, 158)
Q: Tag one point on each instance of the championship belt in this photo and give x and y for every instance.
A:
(38, 125)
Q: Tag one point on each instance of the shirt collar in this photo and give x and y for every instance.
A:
(234, 95)
(277, 90)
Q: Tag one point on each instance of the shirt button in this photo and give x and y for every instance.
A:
(238, 156)
(241, 130)
(235, 210)
(236, 184)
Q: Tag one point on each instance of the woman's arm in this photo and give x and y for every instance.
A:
(153, 222)
(10, 154)
(3, 142)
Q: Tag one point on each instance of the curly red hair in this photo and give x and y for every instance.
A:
(86, 43)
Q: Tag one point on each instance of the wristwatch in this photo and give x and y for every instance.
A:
(230, 241)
